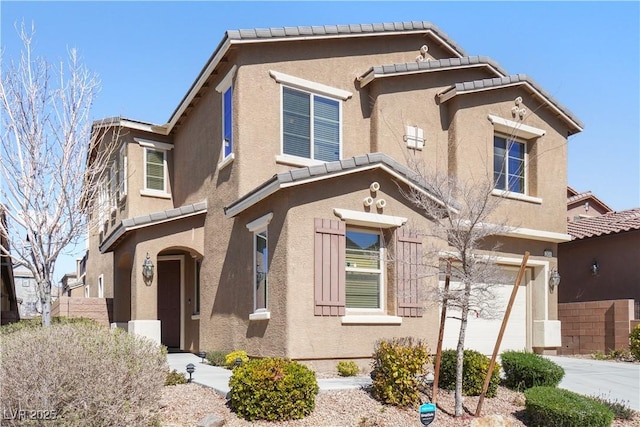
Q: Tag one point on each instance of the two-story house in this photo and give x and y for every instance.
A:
(268, 213)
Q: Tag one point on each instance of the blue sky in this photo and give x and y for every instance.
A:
(585, 54)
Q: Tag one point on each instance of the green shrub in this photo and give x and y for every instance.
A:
(230, 359)
(348, 368)
(556, 407)
(524, 370)
(88, 375)
(273, 389)
(634, 342)
(216, 358)
(474, 370)
(36, 323)
(397, 364)
(621, 410)
(174, 378)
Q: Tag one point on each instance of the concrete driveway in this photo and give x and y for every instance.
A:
(610, 380)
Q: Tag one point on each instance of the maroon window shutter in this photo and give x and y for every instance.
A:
(329, 267)
(408, 268)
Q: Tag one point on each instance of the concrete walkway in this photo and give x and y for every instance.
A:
(609, 380)
(217, 378)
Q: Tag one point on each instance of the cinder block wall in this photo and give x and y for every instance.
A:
(593, 326)
(98, 309)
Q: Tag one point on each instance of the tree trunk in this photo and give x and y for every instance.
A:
(460, 354)
(45, 299)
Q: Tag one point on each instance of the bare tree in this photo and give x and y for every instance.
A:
(462, 222)
(47, 138)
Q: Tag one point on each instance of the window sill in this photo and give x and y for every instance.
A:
(371, 320)
(195, 316)
(260, 315)
(155, 193)
(285, 159)
(226, 161)
(516, 196)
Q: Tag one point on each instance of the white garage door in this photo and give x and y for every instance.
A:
(481, 334)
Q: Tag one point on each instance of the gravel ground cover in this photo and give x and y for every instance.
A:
(185, 405)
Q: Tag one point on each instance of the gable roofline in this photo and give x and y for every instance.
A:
(302, 33)
(154, 218)
(409, 68)
(474, 86)
(603, 225)
(579, 197)
(306, 175)
(110, 122)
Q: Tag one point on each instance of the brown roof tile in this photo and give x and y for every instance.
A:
(610, 223)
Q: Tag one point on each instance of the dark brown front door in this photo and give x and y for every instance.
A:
(169, 302)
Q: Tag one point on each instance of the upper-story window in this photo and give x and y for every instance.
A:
(311, 120)
(508, 164)
(310, 125)
(225, 88)
(122, 171)
(156, 171)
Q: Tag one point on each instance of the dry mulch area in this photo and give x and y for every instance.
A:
(187, 404)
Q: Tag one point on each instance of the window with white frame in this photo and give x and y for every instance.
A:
(196, 288)
(225, 88)
(86, 291)
(156, 171)
(101, 286)
(122, 171)
(509, 164)
(260, 262)
(364, 284)
(113, 187)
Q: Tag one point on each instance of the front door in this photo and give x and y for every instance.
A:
(169, 302)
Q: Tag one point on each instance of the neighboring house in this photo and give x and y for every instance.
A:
(265, 213)
(27, 292)
(8, 300)
(584, 205)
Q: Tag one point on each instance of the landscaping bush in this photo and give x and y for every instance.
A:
(273, 389)
(524, 370)
(230, 359)
(83, 374)
(474, 370)
(634, 342)
(216, 358)
(621, 410)
(347, 369)
(174, 378)
(556, 407)
(397, 365)
(36, 323)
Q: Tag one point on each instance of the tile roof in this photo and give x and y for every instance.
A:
(578, 197)
(516, 79)
(610, 223)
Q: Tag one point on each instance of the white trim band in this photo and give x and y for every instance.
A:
(371, 320)
(514, 128)
(260, 223)
(308, 85)
(368, 219)
(154, 144)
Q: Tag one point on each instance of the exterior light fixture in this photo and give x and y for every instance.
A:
(190, 370)
(595, 268)
(147, 269)
(554, 279)
(202, 355)
(238, 361)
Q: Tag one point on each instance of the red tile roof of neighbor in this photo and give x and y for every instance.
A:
(610, 223)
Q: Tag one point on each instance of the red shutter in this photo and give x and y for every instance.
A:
(329, 267)
(408, 268)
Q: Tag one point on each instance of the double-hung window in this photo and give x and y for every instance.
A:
(156, 171)
(260, 266)
(122, 171)
(225, 88)
(311, 125)
(364, 279)
(508, 164)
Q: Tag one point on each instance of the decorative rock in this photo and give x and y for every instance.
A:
(162, 404)
(211, 420)
(492, 421)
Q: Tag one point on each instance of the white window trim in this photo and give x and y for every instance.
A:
(371, 320)
(87, 291)
(289, 160)
(226, 83)
(196, 290)
(525, 165)
(368, 219)
(157, 145)
(515, 129)
(371, 312)
(150, 192)
(101, 286)
(256, 227)
(516, 196)
(122, 171)
(113, 187)
(309, 86)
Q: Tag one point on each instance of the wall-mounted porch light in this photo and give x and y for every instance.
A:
(147, 269)
(595, 268)
(554, 279)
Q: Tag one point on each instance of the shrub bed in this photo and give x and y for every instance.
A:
(347, 368)
(474, 370)
(216, 358)
(231, 358)
(524, 370)
(397, 365)
(556, 407)
(83, 375)
(634, 342)
(273, 389)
